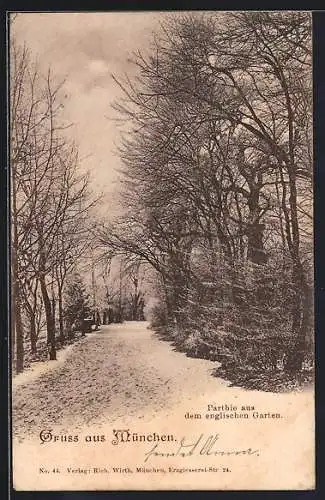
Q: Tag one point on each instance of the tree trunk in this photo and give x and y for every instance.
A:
(135, 300)
(255, 231)
(303, 296)
(33, 336)
(169, 303)
(13, 316)
(49, 319)
(13, 330)
(302, 313)
(19, 339)
(17, 330)
(256, 252)
(61, 322)
(53, 312)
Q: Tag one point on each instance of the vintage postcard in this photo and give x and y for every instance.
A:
(161, 171)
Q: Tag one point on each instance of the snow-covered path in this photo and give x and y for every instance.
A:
(125, 377)
(120, 371)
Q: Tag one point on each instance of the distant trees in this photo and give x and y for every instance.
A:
(77, 304)
(50, 202)
(218, 178)
(134, 299)
(121, 295)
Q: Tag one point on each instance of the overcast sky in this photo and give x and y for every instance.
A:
(84, 49)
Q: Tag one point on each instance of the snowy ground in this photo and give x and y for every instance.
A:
(123, 376)
(122, 369)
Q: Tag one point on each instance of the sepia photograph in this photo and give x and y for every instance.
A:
(162, 259)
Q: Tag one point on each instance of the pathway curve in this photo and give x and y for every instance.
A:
(120, 371)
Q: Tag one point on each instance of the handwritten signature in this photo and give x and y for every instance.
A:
(202, 446)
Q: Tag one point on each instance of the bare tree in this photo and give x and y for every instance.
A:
(50, 198)
(218, 151)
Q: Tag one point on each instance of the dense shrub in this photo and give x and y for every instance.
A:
(239, 317)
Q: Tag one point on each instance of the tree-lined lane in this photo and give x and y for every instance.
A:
(121, 371)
